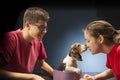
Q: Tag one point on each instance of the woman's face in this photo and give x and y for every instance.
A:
(93, 44)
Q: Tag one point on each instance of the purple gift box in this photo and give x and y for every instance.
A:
(62, 75)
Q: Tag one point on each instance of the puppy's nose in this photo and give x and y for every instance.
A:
(83, 47)
(86, 45)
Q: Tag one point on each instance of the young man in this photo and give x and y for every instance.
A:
(22, 48)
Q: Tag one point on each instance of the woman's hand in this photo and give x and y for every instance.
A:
(88, 77)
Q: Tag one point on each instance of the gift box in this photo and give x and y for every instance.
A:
(62, 75)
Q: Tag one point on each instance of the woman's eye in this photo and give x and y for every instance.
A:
(87, 41)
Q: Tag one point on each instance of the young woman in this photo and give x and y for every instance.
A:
(102, 37)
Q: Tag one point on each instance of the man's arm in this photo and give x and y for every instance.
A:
(8, 75)
(45, 66)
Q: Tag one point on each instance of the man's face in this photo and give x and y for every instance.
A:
(38, 30)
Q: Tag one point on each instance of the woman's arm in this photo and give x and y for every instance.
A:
(102, 76)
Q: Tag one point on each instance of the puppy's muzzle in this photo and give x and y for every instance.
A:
(83, 48)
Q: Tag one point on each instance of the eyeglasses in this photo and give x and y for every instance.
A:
(41, 27)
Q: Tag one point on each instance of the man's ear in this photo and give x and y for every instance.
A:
(27, 25)
(101, 38)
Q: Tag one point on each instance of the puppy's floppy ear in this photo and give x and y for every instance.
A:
(77, 56)
(73, 48)
(80, 58)
(70, 52)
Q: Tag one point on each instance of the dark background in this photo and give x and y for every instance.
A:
(10, 10)
(68, 18)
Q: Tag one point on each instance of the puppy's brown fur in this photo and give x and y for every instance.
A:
(76, 50)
